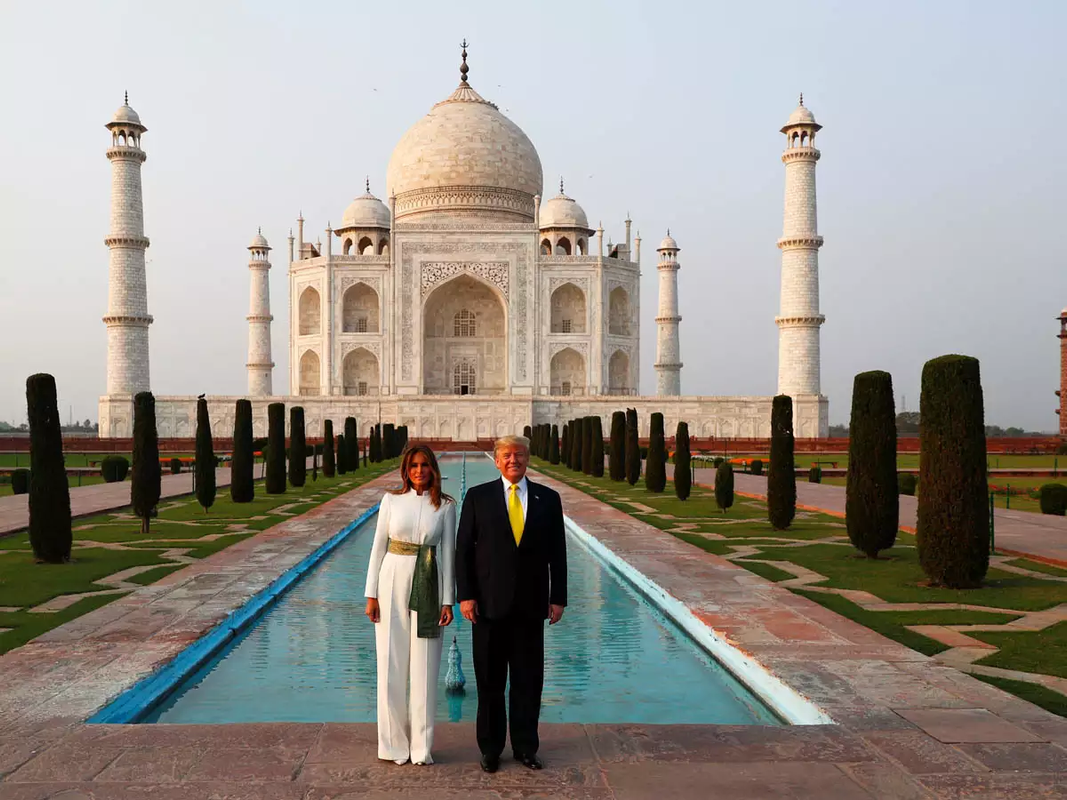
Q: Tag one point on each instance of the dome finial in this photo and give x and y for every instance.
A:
(802, 98)
(561, 184)
(368, 184)
(668, 231)
(463, 68)
(260, 229)
(126, 98)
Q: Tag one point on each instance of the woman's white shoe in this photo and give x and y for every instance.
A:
(400, 762)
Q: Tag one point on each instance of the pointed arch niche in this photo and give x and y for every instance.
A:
(619, 373)
(360, 312)
(310, 374)
(619, 312)
(568, 309)
(310, 312)
(360, 372)
(567, 372)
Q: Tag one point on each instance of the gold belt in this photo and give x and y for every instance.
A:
(403, 548)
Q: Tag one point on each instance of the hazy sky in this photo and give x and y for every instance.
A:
(940, 185)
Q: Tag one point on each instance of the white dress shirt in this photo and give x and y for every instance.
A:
(524, 493)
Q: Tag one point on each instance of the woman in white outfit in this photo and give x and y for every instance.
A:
(410, 592)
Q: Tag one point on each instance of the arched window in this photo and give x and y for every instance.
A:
(383, 247)
(463, 380)
(347, 246)
(546, 247)
(365, 247)
(310, 312)
(583, 247)
(619, 312)
(568, 310)
(463, 323)
(563, 246)
(359, 309)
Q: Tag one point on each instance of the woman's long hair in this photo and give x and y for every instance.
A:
(436, 495)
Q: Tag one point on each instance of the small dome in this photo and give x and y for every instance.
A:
(259, 242)
(563, 212)
(801, 116)
(668, 243)
(366, 211)
(126, 116)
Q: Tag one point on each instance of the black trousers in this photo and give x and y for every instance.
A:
(516, 645)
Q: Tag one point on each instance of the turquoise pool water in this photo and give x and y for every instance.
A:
(613, 658)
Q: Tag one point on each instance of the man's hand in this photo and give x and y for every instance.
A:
(469, 610)
(555, 614)
(446, 616)
(372, 612)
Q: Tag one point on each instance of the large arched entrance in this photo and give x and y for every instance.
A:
(465, 348)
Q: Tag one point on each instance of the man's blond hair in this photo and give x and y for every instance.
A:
(511, 441)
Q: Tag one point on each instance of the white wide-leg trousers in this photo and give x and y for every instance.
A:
(405, 729)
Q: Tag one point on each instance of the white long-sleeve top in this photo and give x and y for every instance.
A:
(411, 517)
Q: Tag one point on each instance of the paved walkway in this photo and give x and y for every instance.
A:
(906, 728)
(1039, 536)
(100, 497)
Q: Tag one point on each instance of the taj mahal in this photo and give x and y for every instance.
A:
(466, 305)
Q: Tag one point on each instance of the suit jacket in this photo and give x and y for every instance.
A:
(503, 577)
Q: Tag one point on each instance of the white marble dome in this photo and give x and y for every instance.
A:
(366, 211)
(465, 158)
(668, 243)
(126, 116)
(563, 212)
(259, 242)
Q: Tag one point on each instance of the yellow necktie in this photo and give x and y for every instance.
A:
(515, 512)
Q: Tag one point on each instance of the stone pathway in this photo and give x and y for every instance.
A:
(88, 500)
(906, 727)
(1042, 537)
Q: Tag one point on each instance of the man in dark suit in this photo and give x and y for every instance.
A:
(511, 575)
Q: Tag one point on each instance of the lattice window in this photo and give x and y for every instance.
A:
(565, 389)
(361, 388)
(565, 326)
(463, 381)
(361, 325)
(463, 323)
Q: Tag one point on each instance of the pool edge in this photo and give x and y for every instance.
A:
(133, 703)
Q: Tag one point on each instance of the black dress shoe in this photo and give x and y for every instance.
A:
(530, 761)
(490, 763)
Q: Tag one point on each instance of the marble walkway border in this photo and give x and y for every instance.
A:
(906, 728)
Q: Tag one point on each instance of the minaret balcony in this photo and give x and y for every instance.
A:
(126, 240)
(801, 154)
(802, 321)
(124, 152)
(800, 243)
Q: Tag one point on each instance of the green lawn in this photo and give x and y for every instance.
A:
(181, 523)
(896, 577)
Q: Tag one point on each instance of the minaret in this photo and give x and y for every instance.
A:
(668, 350)
(1062, 393)
(799, 318)
(259, 318)
(127, 317)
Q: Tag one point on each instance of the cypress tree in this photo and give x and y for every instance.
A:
(375, 443)
(49, 494)
(275, 482)
(781, 474)
(351, 444)
(553, 446)
(527, 431)
(656, 465)
(565, 453)
(388, 440)
(146, 487)
(617, 456)
(598, 447)
(298, 463)
(953, 525)
(683, 478)
(242, 478)
(342, 454)
(724, 485)
(872, 508)
(576, 445)
(633, 448)
(587, 445)
(329, 463)
(204, 463)
(546, 432)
